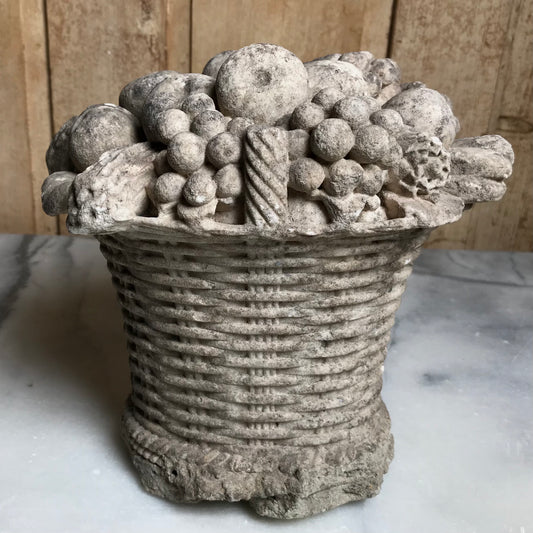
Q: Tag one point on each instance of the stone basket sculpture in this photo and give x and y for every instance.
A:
(260, 221)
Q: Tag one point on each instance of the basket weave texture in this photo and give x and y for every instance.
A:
(257, 365)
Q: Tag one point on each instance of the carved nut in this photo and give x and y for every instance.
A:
(224, 149)
(372, 180)
(167, 188)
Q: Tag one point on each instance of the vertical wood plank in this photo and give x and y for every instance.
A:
(462, 49)
(97, 47)
(509, 223)
(178, 35)
(25, 126)
(309, 28)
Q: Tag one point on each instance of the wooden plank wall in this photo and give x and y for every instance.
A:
(59, 57)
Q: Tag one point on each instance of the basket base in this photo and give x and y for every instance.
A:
(279, 482)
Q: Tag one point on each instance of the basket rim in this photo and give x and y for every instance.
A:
(208, 228)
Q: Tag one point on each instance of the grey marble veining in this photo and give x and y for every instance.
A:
(458, 384)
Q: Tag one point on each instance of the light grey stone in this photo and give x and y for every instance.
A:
(239, 125)
(388, 119)
(213, 65)
(355, 110)
(327, 98)
(110, 193)
(170, 123)
(340, 75)
(332, 139)
(101, 128)
(479, 168)
(306, 116)
(262, 82)
(58, 155)
(223, 149)
(230, 181)
(371, 144)
(343, 177)
(306, 175)
(166, 189)
(362, 60)
(55, 192)
(161, 165)
(208, 124)
(134, 94)
(427, 111)
(196, 103)
(200, 188)
(186, 153)
(170, 94)
(298, 144)
(259, 267)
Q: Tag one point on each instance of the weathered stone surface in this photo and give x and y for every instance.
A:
(427, 111)
(58, 155)
(332, 139)
(101, 128)
(340, 75)
(186, 153)
(262, 82)
(213, 65)
(479, 168)
(55, 192)
(111, 192)
(170, 94)
(306, 175)
(260, 257)
(200, 188)
(134, 94)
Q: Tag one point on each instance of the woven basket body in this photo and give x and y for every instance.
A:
(257, 365)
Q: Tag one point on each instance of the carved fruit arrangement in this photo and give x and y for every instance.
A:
(261, 139)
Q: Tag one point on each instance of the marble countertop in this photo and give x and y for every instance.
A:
(458, 384)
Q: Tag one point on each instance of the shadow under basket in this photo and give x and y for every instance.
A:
(257, 365)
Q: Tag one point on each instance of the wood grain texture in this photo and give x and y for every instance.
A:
(97, 47)
(309, 28)
(508, 224)
(178, 33)
(464, 49)
(25, 125)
